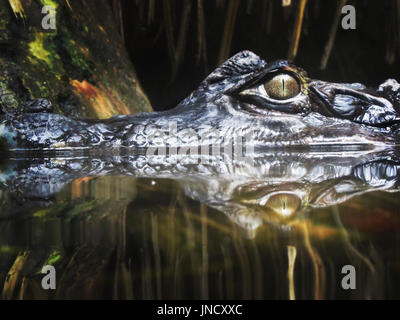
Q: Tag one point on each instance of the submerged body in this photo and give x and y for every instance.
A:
(267, 104)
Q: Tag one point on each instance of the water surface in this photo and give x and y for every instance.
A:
(282, 229)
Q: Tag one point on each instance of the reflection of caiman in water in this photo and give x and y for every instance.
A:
(271, 189)
(321, 143)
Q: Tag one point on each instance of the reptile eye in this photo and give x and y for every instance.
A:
(282, 86)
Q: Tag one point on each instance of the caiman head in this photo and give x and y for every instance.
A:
(281, 106)
(268, 104)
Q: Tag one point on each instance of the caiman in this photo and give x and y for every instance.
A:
(270, 105)
(321, 143)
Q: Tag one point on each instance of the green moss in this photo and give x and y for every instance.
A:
(52, 3)
(7, 97)
(37, 49)
(53, 257)
(81, 208)
(50, 212)
(42, 213)
(36, 87)
(78, 59)
(46, 62)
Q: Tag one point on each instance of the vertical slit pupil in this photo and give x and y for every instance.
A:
(282, 86)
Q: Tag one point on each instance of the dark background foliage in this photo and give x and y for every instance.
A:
(156, 31)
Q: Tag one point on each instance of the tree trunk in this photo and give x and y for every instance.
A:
(81, 66)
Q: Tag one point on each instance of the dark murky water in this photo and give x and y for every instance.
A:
(121, 236)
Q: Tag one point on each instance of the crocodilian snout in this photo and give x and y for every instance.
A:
(352, 115)
(354, 102)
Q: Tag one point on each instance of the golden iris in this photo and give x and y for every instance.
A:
(282, 86)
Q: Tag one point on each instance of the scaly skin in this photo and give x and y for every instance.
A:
(323, 114)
